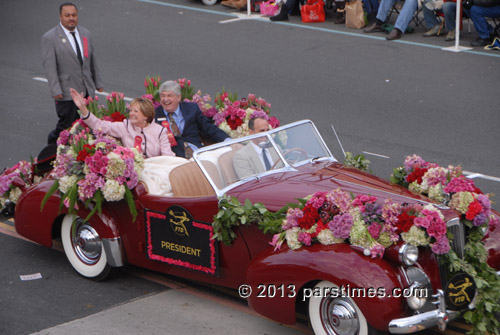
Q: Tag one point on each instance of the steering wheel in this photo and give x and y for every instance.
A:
(301, 156)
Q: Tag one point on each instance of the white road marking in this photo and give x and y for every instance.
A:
(104, 94)
(373, 154)
(480, 175)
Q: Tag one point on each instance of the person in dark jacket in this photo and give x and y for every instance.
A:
(185, 120)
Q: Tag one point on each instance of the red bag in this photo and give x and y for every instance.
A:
(313, 11)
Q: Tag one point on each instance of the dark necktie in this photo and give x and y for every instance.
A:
(78, 52)
(173, 125)
(267, 164)
(188, 152)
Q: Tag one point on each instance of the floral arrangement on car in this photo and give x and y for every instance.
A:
(338, 217)
(91, 167)
(450, 187)
(335, 217)
(229, 113)
(446, 185)
(22, 172)
(233, 114)
(115, 109)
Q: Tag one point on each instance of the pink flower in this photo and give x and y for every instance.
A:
(442, 246)
(460, 184)
(276, 242)
(305, 238)
(374, 230)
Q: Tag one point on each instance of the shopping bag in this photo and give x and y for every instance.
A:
(354, 15)
(269, 8)
(313, 11)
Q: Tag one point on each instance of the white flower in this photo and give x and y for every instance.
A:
(14, 195)
(415, 236)
(116, 166)
(292, 236)
(66, 182)
(113, 191)
(326, 237)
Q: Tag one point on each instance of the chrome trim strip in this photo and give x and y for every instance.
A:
(114, 251)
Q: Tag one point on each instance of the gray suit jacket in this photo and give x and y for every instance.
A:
(62, 67)
(247, 162)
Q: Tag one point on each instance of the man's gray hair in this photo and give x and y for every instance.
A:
(171, 86)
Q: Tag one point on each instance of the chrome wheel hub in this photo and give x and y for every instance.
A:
(339, 317)
(86, 242)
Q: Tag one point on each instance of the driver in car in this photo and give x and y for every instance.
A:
(254, 158)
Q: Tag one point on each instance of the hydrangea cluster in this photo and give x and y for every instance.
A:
(8, 191)
(441, 184)
(93, 167)
(336, 217)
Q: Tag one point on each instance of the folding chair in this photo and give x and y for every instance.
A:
(415, 19)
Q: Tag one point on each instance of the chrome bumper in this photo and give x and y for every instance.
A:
(438, 317)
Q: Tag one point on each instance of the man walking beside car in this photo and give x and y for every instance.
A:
(69, 61)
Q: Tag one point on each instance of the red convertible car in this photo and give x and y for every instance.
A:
(173, 232)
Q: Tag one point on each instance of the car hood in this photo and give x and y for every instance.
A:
(278, 189)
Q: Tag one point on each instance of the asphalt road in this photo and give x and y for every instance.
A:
(388, 98)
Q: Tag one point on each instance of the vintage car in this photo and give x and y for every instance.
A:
(172, 234)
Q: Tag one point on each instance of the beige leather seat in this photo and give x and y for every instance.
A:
(188, 180)
(226, 167)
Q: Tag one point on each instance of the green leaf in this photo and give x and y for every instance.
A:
(51, 191)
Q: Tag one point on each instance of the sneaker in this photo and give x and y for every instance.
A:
(432, 32)
(481, 42)
(450, 36)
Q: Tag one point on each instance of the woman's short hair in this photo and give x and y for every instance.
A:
(170, 86)
(146, 108)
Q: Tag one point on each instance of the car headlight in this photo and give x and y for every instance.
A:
(408, 254)
(416, 296)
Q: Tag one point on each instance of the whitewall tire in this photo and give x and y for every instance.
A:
(83, 248)
(209, 2)
(331, 315)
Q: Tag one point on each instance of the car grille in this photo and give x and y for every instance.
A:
(457, 244)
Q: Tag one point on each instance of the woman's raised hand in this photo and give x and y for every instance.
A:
(79, 101)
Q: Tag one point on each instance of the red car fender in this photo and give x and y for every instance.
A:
(37, 225)
(340, 264)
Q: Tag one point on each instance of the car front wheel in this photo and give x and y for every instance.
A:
(209, 2)
(331, 314)
(83, 248)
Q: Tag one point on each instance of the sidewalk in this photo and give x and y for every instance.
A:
(171, 312)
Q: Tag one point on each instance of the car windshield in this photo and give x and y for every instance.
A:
(236, 161)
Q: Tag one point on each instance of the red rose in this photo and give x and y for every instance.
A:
(309, 218)
(234, 123)
(474, 209)
(405, 222)
(117, 117)
(417, 175)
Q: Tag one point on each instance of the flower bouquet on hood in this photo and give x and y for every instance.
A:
(446, 185)
(336, 217)
(92, 168)
(22, 172)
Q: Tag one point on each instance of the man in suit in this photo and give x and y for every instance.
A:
(185, 120)
(252, 159)
(69, 61)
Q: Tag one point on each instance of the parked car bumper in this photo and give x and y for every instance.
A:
(438, 317)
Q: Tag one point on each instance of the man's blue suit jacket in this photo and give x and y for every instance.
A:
(196, 125)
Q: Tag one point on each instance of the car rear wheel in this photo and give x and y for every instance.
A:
(209, 2)
(83, 248)
(332, 315)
